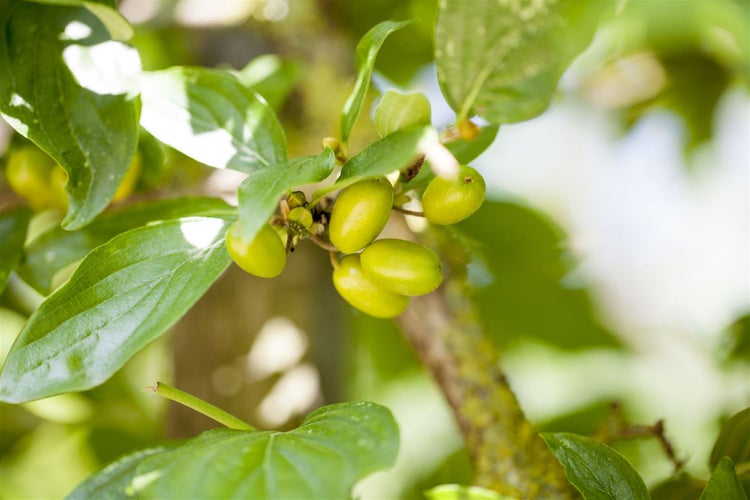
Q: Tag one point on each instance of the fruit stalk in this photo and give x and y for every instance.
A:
(507, 453)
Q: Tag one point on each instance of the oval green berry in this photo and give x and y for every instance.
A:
(360, 213)
(265, 256)
(402, 267)
(449, 201)
(360, 292)
(37, 178)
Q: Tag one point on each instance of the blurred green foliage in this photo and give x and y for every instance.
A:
(407, 51)
(520, 279)
(701, 48)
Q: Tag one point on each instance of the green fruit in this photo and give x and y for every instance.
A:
(360, 292)
(127, 184)
(402, 267)
(360, 213)
(265, 256)
(37, 178)
(449, 201)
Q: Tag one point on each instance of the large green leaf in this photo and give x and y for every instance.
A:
(112, 482)
(596, 470)
(723, 484)
(323, 458)
(13, 227)
(367, 52)
(211, 117)
(69, 87)
(259, 194)
(56, 249)
(124, 294)
(502, 60)
(733, 440)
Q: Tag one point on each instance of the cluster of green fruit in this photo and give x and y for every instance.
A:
(377, 277)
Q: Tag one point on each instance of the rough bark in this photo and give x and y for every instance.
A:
(507, 453)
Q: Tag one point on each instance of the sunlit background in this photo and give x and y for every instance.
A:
(612, 254)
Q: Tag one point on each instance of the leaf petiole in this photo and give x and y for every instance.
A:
(207, 409)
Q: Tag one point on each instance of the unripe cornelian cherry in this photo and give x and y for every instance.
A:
(361, 293)
(402, 267)
(449, 201)
(360, 213)
(127, 185)
(36, 177)
(264, 256)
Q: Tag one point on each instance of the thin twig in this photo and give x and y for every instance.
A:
(616, 428)
(408, 212)
(322, 244)
(334, 259)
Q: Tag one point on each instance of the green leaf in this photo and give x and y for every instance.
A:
(272, 77)
(259, 194)
(105, 10)
(394, 152)
(680, 487)
(323, 458)
(154, 168)
(596, 470)
(723, 484)
(111, 482)
(117, 26)
(124, 294)
(733, 440)
(13, 226)
(457, 492)
(367, 52)
(69, 88)
(739, 338)
(56, 249)
(397, 111)
(502, 60)
(467, 150)
(211, 117)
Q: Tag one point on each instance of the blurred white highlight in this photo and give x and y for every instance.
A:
(76, 30)
(279, 346)
(202, 13)
(139, 11)
(106, 68)
(201, 232)
(441, 160)
(295, 393)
